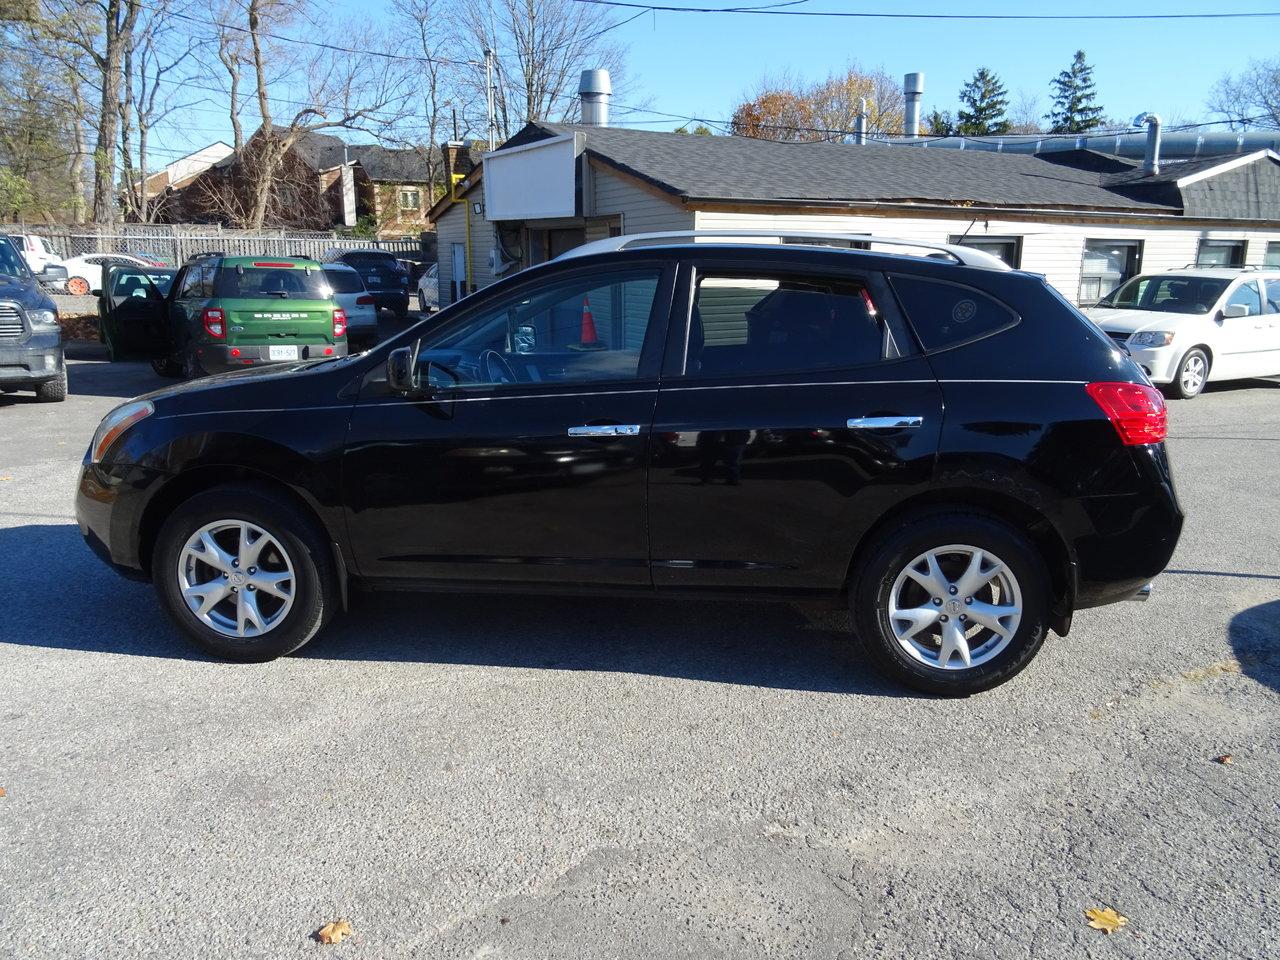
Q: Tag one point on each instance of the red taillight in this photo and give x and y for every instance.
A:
(272, 263)
(214, 323)
(339, 323)
(1137, 411)
(235, 351)
(365, 301)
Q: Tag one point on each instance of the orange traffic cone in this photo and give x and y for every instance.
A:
(589, 338)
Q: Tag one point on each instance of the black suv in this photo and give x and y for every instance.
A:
(384, 276)
(944, 445)
(31, 355)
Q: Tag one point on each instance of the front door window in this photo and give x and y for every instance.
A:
(582, 330)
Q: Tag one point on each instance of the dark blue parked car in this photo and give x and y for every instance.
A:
(30, 338)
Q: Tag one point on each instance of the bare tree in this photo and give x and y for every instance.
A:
(341, 93)
(1025, 114)
(233, 55)
(541, 48)
(103, 29)
(153, 65)
(1250, 98)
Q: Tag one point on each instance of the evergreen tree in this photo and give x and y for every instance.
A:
(1075, 99)
(983, 101)
(938, 123)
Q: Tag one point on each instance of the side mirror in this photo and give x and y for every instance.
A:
(53, 272)
(95, 292)
(1235, 310)
(402, 371)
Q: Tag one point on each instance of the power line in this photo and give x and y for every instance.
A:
(771, 11)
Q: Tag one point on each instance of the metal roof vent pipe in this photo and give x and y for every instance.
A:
(594, 89)
(912, 91)
(860, 124)
(1151, 158)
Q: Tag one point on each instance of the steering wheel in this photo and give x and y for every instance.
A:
(496, 369)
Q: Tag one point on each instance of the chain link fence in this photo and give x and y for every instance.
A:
(175, 244)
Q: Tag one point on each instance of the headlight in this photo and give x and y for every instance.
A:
(114, 425)
(1151, 338)
(43, 318)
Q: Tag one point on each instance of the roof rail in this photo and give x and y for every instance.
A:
(966, 256)
(1247, 268)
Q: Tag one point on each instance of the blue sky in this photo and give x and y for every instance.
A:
(702, 64)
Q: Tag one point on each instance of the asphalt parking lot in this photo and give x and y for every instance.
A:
(537, 778)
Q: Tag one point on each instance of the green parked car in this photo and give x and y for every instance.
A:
(223, 313)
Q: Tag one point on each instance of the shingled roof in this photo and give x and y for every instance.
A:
(735, 168)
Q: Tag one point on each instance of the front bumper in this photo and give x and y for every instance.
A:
(109, 506)
(1159, 363)
(220, 358)
(34, 360)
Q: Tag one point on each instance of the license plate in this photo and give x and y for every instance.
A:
(282, 353)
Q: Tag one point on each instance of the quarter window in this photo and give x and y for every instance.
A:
(947, 314)
(588, 329)
(753, 324)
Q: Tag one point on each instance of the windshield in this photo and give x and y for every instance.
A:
(11, 264)
(256, 282)
(1167, 294)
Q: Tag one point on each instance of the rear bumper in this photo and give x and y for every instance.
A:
(219, 358)
(1133, 535)
(34, 360)
(397, 300)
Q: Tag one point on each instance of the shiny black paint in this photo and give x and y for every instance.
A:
(487, 492)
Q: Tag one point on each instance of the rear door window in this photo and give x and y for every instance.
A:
(946, 314)
(761, 323)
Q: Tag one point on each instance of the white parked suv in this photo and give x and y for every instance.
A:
(1187, 327)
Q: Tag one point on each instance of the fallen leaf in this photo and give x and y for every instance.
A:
(1105, 919)
(334, 932)
(2, 793)
(504, 920)
(6, 478)
(1225, 759)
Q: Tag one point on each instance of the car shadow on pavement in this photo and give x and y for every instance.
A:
(1255, 639)
(105, 379)
(72, 602)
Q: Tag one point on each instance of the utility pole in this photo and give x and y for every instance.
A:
(488, 83)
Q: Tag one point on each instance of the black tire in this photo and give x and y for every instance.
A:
(167, 367)
(422, 302)
(191, 368)
(53, 391)
(315, 587)
(1177, 389)
(881, 563)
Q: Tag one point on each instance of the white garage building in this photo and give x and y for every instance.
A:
(1085, 219)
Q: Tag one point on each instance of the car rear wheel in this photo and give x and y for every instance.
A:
(244, 573)
(422, 302)
(950, 602)
(1192, 375)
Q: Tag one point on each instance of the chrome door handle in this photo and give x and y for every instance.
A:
(883, 423)
(607, 430)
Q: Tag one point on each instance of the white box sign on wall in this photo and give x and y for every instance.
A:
(532, 182)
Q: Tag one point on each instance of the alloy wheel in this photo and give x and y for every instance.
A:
(955, 607)
(1194, 372)
(236, 578)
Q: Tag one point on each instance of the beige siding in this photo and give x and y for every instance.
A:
(642, 211)
(451, 228)
(1056, 250)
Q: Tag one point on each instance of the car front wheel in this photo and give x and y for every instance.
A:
(1192, 375)
(951, 603)
(244, 573)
